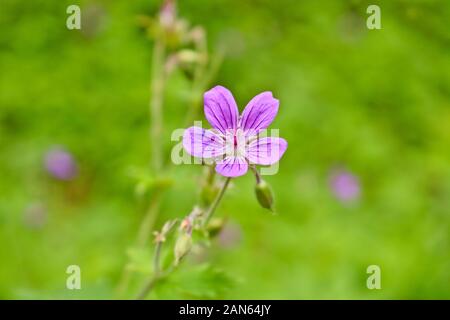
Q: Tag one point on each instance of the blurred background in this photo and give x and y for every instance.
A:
(365, 180)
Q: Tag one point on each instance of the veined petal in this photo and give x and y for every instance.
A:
(259, 113)
(220, 109)
(202, 143)
(266, 151)
(232, 167)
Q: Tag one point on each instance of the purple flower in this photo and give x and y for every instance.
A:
(345, 185)
(234, 142)
(60, 164)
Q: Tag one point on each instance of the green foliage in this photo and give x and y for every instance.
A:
(199, 282)
(140, 260)
(374, 102)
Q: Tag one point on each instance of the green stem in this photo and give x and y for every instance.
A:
(257, 174)
(157, 275)
(150, 284)
(211, 174)
(147, 288)
(200, 85)
(216, 202)
(156, 129)
(156, 267)
(144, 232)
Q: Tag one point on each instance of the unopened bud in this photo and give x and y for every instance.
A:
(187, 56)
(167, 14)
(186, 224)
(182, 246)
(197, 34)
(264, 195)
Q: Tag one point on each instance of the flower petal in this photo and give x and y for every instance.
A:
(259, 113)
(266, 151)
(220, 109)
(203, 143)
(232, 167)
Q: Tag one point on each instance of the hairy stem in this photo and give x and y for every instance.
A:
(156, 266)
(216, 202)
(156, 273)
(156, 128)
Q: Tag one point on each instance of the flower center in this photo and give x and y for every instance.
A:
(235, 143)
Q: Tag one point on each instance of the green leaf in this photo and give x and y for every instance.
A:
(140, 260)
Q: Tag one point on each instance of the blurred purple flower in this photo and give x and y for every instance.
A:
(345, 185)
(60, 164)
(230, 235)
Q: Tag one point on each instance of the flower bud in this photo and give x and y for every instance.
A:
(197, 34)
(187, 56)
(182, 246)
(167, 15)
(264, 195)
(186, 224)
